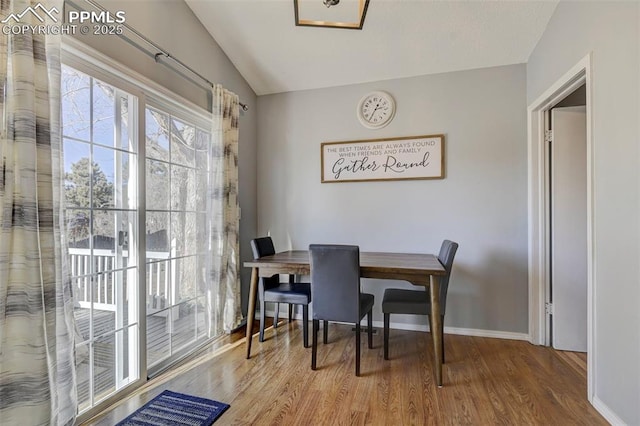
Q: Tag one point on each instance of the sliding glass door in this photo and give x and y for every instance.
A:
(136, 188)
(101, 192)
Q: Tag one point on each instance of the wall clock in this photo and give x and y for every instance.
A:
(376, 109)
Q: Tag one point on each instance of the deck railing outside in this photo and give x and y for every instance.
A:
(101, 282)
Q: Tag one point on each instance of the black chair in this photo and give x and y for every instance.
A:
(335, 290)
(271, 290)
(416, 302)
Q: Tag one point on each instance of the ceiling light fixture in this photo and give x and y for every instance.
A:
(349, 15)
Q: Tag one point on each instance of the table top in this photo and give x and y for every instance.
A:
(413, 267)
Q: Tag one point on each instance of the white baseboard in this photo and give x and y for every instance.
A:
(457, 330)
(606, 412)
(425, 328)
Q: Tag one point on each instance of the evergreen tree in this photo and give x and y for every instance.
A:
(78, 183)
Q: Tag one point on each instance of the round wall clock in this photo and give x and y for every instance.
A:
(376, 109)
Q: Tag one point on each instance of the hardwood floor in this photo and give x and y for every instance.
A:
(576, 360)
(486, 381)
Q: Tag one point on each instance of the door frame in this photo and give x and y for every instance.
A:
(539, 216)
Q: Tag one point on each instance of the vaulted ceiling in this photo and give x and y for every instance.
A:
(400, 38)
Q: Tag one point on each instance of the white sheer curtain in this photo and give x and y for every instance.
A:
(225, 304)
(37, 374)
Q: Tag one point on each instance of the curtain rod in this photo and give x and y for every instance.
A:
(161, 51)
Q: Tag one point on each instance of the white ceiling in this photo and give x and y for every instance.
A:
(400, 38)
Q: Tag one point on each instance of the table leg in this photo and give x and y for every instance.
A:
(436, 331)
(251, 310)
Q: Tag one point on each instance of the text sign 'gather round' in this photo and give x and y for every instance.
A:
(413, 157)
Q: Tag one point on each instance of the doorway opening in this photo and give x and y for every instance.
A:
(575, 83)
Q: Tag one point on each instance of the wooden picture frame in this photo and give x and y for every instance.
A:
(325, 18)
(402, 158)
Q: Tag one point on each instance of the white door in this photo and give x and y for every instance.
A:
(569, 228)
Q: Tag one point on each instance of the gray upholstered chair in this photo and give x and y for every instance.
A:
(271, 290)
(335, 290)
(416, 302)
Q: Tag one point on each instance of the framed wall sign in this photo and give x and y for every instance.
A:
(411, 157)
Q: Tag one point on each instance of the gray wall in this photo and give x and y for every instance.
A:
(174, 27)
(482, 202)
(610, 31)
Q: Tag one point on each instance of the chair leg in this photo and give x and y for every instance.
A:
(314, 345)
(386, 336)
(325, 331)
(275, 316)
(370, 329)
(262, 317)
(357, 349)
(291, 281)
(305, 325)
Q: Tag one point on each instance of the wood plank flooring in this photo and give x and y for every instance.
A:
(486, 381)
(576, 360)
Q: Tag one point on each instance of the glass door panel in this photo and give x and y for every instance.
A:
(176, 184)
(100, 158)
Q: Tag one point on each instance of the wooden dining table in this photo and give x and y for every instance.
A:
(418, 269)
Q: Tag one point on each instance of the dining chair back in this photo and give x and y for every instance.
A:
(261, 247)
(335, 278)
(447, 253)
(335, 291)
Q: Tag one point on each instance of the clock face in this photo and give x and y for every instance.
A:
(376, 110)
